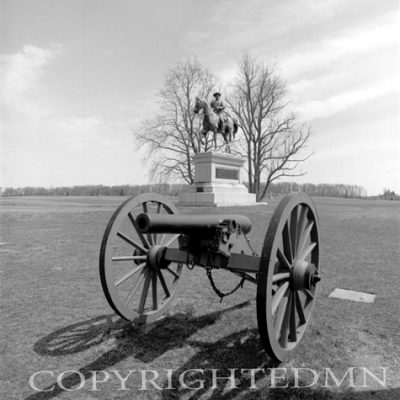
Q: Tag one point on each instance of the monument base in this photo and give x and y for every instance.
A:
(216, 195)
(217, 183)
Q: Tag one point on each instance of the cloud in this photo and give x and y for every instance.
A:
(275, 28)
(352, 44)
(68, 150)
(332, 54)
(346, 99)
(45, 145)
(20, 77)
(356, 66)
(77, 134)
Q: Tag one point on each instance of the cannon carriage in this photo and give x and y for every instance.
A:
(148, 245)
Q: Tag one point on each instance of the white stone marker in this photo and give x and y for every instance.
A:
(352, 295)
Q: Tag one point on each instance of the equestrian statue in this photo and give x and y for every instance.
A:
(216, 120)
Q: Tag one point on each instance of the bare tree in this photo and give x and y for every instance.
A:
(274, 140)
(172, 137)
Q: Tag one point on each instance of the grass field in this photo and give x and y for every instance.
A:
(55, 318)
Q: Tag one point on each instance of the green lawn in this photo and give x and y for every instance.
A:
(55, 317)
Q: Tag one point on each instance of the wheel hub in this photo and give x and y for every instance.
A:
(304, 275)
(137, 252)
(156, 257)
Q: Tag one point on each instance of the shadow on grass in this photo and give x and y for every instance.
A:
(242, 349)
(145, 344)
(81, 336)
(239, 350)
(324, 394)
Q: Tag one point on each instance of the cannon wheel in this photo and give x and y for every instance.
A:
(136, 290)
(288, 274)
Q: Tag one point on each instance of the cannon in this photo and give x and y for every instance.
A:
(147, 246)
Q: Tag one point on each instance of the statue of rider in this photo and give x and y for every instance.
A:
(218, 106)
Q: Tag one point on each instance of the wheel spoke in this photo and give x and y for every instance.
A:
(148, 235)
(163, 284)
(294, 218)
(307, 251)
(155, 235)
(278, 296)
(154, 290)
(141, 237)
(300, 229)
(173, 273)
(274, 288)
(129, 274)
(309, 295)
(283, 261)
(161, 241)
(293, 323)
(144, 293)
(281, 276)
(170, 240)
(287, 245)
(131, 242)
(285, 326)
(129, 258)
(300, 310)
(134, 289)
(304, 235)
(280, 314)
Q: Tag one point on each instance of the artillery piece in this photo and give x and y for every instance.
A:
(146, 247)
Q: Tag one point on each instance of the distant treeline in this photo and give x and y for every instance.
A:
(389, 195)
(166, 189)
(321, 189)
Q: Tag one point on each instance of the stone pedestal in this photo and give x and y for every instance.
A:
(217, 182)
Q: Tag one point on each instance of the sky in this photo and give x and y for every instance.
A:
(78, 77)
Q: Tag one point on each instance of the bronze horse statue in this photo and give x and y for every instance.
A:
(211, 122)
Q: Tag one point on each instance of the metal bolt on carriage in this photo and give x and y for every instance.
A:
(147, 245)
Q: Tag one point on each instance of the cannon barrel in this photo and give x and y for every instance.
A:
(187, 224)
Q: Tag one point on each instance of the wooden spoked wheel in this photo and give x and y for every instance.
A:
(136, 287)
(288, 274)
